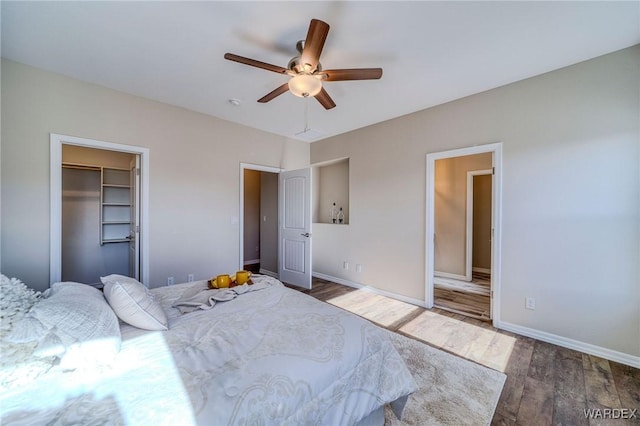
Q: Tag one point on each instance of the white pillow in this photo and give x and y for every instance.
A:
(133, 304)
(74, 323)
(16, 299)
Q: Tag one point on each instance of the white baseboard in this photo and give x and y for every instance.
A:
(448, 275)
(482, 270)
(251, 262)
(269, 273)
(610, 354)
(352, 284)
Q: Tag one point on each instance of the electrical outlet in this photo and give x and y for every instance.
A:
(358, 267)
(169, 280)
(530, 303)
(345, 265)
(257, 248)
(190, 278)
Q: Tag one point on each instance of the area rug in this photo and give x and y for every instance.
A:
(452, 390)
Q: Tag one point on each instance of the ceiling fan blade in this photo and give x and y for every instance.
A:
(352, 74)
(274, 93)
(324, 99)
(314, 43)
(254, 63)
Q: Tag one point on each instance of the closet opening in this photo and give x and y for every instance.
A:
(99, 210)
(100, 198)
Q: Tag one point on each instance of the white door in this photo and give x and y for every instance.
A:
(295, 227)
(134, 229)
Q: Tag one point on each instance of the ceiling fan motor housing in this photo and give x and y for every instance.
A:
(296, 65)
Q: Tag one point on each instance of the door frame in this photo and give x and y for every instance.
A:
(134, 225)
(496, 241)
(55, 169)
(469, 256)
(243, 167)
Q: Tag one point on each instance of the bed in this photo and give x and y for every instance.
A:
(268, 355)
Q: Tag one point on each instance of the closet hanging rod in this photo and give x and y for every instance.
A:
(80, 166)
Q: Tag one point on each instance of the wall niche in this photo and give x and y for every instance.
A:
(331, 185)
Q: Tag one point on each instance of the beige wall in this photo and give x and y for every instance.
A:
(570, 213)
(481, 248)
(193, 172)
(269, 224)
(95, 157)
(251, 244)
(450, 205)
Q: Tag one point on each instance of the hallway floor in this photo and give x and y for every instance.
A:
(464, 297)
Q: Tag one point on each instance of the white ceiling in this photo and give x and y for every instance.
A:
(431, 52)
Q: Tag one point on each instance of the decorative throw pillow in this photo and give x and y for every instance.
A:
(74, 323)
(16, 299)
(133, 304)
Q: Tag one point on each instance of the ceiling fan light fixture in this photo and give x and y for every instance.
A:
(305, 85)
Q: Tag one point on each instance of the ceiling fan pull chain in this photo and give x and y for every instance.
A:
(306, 113)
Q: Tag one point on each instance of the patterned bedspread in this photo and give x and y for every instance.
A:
(272, 356)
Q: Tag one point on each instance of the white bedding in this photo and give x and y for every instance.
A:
(273, 356)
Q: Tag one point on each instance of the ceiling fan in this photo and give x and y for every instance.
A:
(305, 70)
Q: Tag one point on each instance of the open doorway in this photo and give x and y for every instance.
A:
(259, 219)
(99, 210)
(463, 199)
(289, 221)
(100, 219)
(462, 206)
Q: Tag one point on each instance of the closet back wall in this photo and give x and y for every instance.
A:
(83, 258)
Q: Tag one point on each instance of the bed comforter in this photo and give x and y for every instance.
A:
(272, 356)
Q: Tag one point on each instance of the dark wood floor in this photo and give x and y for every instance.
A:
(462, 302)
(253, 267)
(546, 384)
(462, 297)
